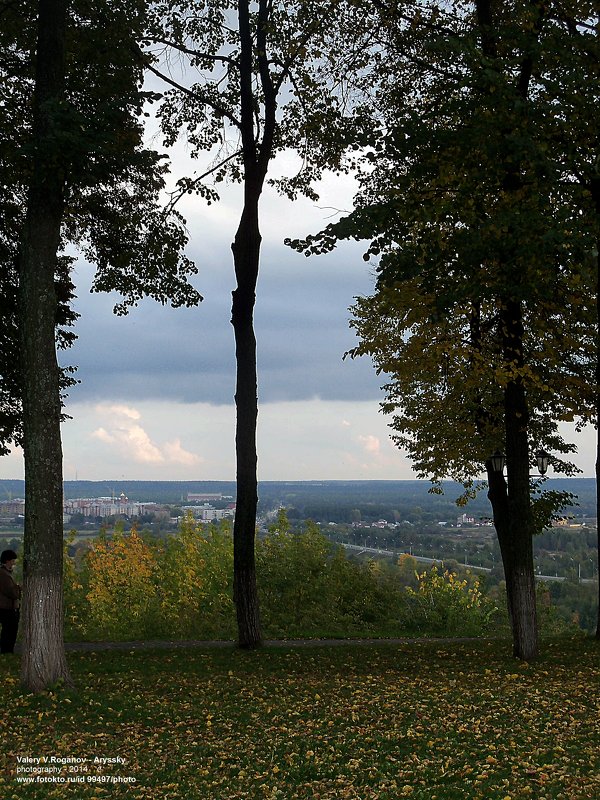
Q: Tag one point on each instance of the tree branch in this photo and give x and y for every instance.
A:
(195, 93)
(176, 196)
(197, 54)
(246, 93)
(269, 89)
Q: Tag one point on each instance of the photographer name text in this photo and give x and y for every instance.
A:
(69, 769)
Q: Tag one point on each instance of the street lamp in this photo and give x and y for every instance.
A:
(498, 461)
(543, 459)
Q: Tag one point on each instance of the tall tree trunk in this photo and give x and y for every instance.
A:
(595, 191)
(597, 198)
(246, 257)
(44, 661)
(515, 534)
(520, 530)
(246, 252)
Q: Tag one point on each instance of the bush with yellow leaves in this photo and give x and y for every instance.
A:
(446, 604)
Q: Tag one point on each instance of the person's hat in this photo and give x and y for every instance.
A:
(7, 555)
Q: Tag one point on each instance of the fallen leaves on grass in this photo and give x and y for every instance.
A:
(365, 724)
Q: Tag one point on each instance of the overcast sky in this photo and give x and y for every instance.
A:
(156, 394)
(155, 400)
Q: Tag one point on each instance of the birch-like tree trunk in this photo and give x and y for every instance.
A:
(43, 662)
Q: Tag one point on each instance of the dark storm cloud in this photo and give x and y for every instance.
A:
(188, 354)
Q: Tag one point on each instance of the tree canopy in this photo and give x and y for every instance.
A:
(257, 82)
(476, 193)
(113, 182)
(74, 170)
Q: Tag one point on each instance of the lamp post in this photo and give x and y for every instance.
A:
(498, 460)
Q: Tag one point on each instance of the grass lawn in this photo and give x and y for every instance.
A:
(426, 720)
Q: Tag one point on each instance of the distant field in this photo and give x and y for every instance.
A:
(430, 721)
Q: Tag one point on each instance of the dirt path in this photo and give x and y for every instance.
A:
(192, 643)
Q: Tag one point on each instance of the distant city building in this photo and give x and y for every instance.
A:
(207, 513)
(203, 498)
(9, 508)
(108, 507)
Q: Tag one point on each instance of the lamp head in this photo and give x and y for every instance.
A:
(543, 459)
(498, 460)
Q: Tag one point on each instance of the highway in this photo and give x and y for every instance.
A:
(359, 549)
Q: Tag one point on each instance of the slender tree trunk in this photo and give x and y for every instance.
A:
(597, 197)
(246, 252)
(246, 257)
(44, 661)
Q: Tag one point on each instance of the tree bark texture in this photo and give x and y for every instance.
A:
(44, 661)
(597, 199)
(246, 257)
(521, 580)
(512, 503)
(246, 252)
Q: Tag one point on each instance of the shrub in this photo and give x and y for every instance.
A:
(130, 586)
(195, 576)
(120, 584)
(444, 604)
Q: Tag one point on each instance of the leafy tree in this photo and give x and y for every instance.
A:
(257, 82)
(122, 595)
(73, 169)
(479, 317)
(44, 659)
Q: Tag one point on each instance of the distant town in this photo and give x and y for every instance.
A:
(382, 520)
(121, 507)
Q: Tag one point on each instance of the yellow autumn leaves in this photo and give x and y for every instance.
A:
(427, 721)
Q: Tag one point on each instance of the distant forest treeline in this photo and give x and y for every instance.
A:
(342, 501)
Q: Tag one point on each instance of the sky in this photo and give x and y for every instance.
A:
(155, 399)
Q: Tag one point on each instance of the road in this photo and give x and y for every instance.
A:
(359, 549)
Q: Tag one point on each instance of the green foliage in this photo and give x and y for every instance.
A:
(132, 587)
(309, 587)
(112, 181)
(286, 55)
(195, 583)
(476, 199)
(445, 604)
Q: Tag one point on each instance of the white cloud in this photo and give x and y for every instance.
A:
(122, 431)
(176, 454)
(371, 444)
(308, 440)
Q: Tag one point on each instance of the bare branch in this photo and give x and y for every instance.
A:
(198, 54)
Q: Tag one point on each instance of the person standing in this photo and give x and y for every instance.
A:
(10, 596)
